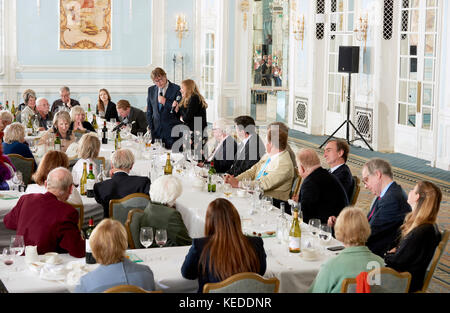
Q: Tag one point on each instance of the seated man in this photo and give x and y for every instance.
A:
(223, 154)
(162, 213)
(336, 154)
(274, 171)
(65, 102)
(44, 115)
(321, 194)
(388, 210)
(121, 184)
(251, 148)
(284, 128)
(46, 221)
(132, 116)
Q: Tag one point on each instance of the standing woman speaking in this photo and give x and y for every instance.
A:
(193, 106)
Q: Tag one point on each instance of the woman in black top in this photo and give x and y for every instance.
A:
(419, 234)
(105, 107)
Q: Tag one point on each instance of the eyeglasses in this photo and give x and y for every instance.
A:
(159, 80)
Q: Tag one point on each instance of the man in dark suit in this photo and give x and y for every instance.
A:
(121, 183)
(321, 194)
(336, 154)
(65, 100)
(250, 150)
(46, 221)
(389, 208)
(132, 116)
(161, 118)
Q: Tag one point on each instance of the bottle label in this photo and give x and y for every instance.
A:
(90, 184)
(294, 243)
(88, 247)
(57, 147)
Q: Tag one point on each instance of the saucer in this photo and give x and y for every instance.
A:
(309, 259)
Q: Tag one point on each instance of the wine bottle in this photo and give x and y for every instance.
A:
(7, 105)
(295, 234)
(30, 126)
(89, 107)
(211, 183)
(168, 167)
(57, 143)
(117, 140)
(104, 134)
(101, 175)
(94, 122)
(83, 181)
(13, 110)
(89, 257)
(90, 181)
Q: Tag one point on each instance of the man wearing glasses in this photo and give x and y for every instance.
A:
(160, 116)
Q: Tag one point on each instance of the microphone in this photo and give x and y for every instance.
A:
(178, 99)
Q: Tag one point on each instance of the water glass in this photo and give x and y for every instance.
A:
(146, 236)
(7, 256)
(17, 244)
(315, 224)
(161, 237)
(227, 190)
(325, 233)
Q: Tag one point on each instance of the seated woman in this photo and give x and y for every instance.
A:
(353, 230)
(225, 250)
(7, 170)
(106, 108)
(109, 242)
(6, 118)
(419, 234)
(28, 108)
(61, 123)
(51, 160)
(88, 150)
(14, 141)
(161, 212)
(78, 124)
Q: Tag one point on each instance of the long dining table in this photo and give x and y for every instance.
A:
(295, 271)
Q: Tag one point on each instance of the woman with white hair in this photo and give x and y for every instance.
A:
(88, 150)
(29, 100)
(78, 123)
(14, 141)
(61, 124)
(6, 118)
(162, 214)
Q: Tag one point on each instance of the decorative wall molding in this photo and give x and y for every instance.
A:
(19, 68)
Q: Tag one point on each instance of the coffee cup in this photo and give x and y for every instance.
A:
(31, 254)
(309, 253)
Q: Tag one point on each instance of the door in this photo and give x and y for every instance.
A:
(417, 79)
(341, 34)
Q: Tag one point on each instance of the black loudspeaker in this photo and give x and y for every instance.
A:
(348, 59)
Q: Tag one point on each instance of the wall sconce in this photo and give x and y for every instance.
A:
(361, 30)
(245, 5)
(181, 27)
(299, 29)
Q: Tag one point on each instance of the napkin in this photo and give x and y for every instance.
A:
(75, 271)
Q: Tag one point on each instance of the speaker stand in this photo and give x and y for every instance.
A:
(348, 122)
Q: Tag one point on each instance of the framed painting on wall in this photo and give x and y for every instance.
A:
(85, 24)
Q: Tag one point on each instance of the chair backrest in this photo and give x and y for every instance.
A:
(99, 160)
(435, 260)
(356, 189)
(80, 210)
(244, 283)
(24, 165)
(119, 208)
(132, 225)
(128, 289)
(296, 186)
(389, 281)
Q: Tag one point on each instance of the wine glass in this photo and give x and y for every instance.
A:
(325, 233)
(17, 245)
(314, 224)
(227, 190)
(146, 236)
(49, 124)
(7, 256)
(161, 237)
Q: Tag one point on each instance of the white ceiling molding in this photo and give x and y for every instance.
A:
(82, 69)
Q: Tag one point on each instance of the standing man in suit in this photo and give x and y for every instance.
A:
(321, 194)
(336, 154)
(132, 116)
(250, 150)
(161, 118)
(45, 220)
(389, 208)
(121, 183)
(225, 150)
(65, 101)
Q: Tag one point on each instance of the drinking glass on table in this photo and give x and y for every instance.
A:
(325, 233)
(161, 237)
(49, 124)
(146, 236)
(7, 256)
(315, 224)
(227, 190)
(17, 245)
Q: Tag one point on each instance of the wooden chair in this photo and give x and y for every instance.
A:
(129, 289)
(356, 190)
(80, 210)
(24, 165)
(132, 226)
(435, 261)
(391, 281)
(119, 208)
(244, 283)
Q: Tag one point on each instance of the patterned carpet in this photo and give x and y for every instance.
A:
(407, 178)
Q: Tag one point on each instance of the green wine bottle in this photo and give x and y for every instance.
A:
(89, 257)
(211, 183)
(90, 182)
(57, 143)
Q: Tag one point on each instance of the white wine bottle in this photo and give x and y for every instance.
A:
(295, 235)
(168, 167)
(83, 181)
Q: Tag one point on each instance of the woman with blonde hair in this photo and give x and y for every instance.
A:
(6, 118)
(61, 128)
(105, 107)
(14, 141)
(51, 160)
(419, 234)
(353, 230)
(88, 150)
(78, 122)
(225, 250)
(109, 242)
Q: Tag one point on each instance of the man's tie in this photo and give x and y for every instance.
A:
(263, 169)
(373, 208)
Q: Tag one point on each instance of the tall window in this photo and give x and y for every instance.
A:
(209, 14)
(208, 66)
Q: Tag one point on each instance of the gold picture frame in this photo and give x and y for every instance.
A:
(85, 24)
